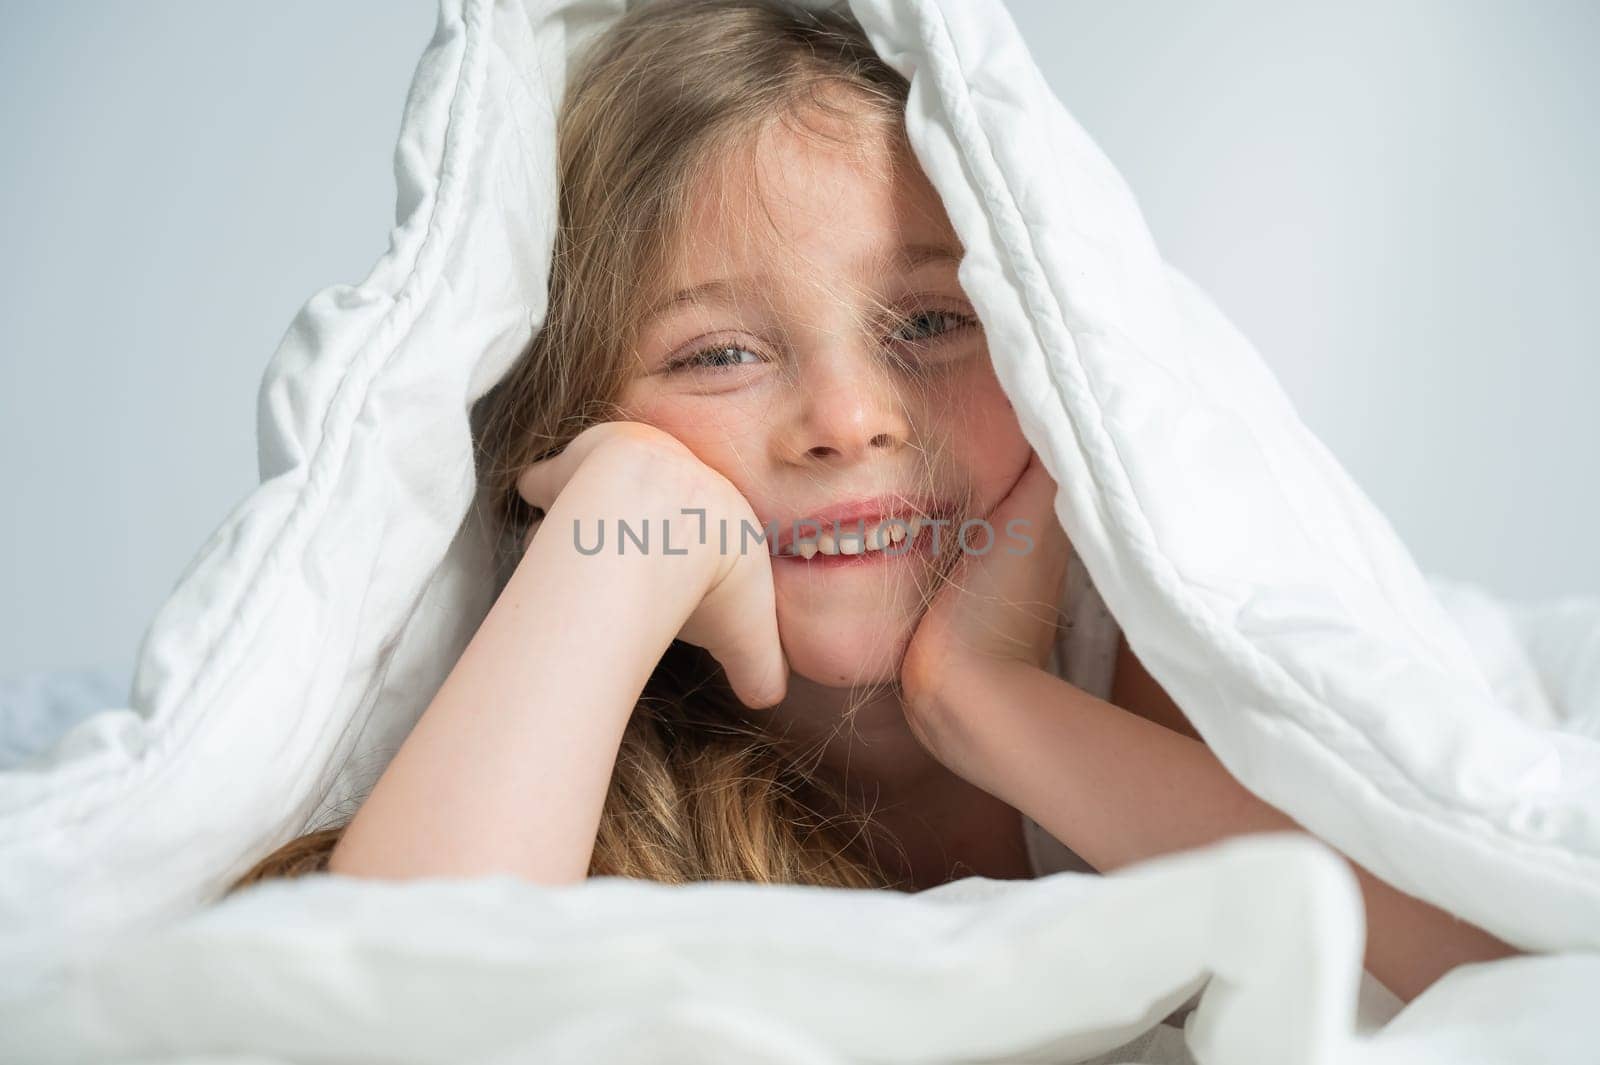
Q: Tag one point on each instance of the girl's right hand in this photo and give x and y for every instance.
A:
(639, 473)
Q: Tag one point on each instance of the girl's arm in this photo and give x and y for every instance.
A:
(508, 768)
(1137, 692)
(1117, 788)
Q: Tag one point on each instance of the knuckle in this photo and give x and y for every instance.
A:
(637, 435)
(661, 468)
(642, 446)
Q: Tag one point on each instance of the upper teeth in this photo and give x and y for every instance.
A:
(856, 540)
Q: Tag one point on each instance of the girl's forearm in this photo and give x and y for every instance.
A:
(1117, 788)
(508, 768)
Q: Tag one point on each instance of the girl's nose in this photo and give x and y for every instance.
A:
(846, 406)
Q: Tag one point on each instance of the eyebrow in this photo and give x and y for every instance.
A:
(904, 257)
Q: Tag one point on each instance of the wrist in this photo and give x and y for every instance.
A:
(967, 714)
(943, 686)
(664, 552)
(639, 600)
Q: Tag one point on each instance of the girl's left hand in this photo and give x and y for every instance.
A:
(1000, 606)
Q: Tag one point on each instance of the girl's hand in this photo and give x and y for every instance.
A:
(1002, 606)
(634, 472)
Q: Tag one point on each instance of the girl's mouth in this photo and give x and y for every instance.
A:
(850, 546)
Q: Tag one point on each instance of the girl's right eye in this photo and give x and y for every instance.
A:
(704, 358)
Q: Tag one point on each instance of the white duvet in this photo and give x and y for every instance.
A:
(1447, 742)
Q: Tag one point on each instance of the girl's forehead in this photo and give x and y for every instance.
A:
(809, 211)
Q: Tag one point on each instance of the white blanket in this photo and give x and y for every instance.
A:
(1460, 760)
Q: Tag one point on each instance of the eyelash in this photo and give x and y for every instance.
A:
(684, 362)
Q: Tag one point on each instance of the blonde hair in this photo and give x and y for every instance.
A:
(664, 98)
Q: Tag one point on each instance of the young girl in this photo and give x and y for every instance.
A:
(755, 325)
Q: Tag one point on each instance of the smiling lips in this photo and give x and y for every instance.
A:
(859, 540)
(859, 530)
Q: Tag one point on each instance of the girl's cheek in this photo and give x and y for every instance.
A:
(702, 422)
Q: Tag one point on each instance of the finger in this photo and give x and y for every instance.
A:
(752, 657)
(756, 669)
(758, 675)
(1032, 565)
(542, 481)
(1025, 516)
(1035, 490)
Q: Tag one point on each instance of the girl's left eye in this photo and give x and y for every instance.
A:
(960, 320)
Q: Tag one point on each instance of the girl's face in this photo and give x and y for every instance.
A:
(821, 354)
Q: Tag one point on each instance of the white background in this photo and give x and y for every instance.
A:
(1394, 201)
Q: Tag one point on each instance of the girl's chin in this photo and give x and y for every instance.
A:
(842, 659)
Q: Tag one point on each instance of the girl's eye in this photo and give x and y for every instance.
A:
(712, 358)
(923, 331)
(960, 320)
(718, 358)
